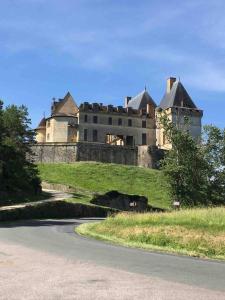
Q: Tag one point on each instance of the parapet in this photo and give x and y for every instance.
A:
(119, 110)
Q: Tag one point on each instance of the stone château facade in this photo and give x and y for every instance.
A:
(134, 125)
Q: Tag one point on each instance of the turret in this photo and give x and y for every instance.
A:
(178, 106)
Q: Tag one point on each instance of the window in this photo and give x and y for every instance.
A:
(85, 118)
(144, 139)
(109, 121)
(48, 136)
(95, 119)
(95, 135)
(129, 122)
(130, 140)
(48, 123)
(85, 134)
(143, 123)
(120, 122)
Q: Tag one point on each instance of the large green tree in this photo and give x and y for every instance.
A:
(185, 166)
(18, 174)
(195, 171)
(1, 149)
(214, 152)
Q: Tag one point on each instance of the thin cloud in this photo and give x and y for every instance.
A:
(153, 35)
(208, 77)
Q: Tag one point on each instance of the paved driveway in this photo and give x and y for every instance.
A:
(44, 259)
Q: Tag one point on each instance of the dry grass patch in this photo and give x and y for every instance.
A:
(199, 232)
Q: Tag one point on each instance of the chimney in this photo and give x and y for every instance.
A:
(127, 99)
(169, 83)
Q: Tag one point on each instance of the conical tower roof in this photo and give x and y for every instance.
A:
(178, 96)
(141, 100)
(65, 107)
(42, 123)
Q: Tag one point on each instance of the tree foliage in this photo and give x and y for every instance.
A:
(195, 171)
(17, 173)
(214, 152)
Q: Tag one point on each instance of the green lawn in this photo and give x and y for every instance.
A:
(99, 177)
(195, 232)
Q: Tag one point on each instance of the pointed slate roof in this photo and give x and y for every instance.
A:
(141, 100)
(42, 123)
(178, 96)
(65, 107)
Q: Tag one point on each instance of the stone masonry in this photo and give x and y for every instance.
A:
(143, 156)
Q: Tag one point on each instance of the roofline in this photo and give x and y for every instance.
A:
(60, 116)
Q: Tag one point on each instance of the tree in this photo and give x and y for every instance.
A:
(214, 152)
(184, 165)
(18, 174)
(1, 150)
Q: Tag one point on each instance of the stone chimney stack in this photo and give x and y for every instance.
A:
(169, 83)
(127, 99)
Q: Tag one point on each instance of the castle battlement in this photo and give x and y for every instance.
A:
(110, 109)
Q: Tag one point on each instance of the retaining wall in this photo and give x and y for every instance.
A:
(72, 152)
(55, 209)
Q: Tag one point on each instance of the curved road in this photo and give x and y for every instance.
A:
(141, 272)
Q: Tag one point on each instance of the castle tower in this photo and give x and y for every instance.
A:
(41, 131)
(62, 125)
(181, 110)
(144, 103)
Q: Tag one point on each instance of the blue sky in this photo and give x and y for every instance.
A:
(104, 50)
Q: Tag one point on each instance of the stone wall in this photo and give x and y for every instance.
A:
(107, 153)
(149, 156)
(55, 153)
(143, 156)
(55, 209)
(72, 152)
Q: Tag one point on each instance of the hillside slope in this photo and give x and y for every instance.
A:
(100, 177)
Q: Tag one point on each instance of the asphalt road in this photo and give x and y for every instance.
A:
(57, 237)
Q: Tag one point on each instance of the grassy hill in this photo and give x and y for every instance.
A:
(100, 177)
